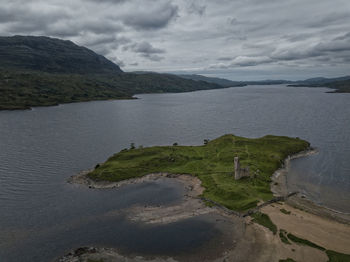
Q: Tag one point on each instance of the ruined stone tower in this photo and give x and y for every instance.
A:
(240, 172)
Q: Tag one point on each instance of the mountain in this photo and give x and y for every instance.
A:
(51, 55)
(220, 81)
(43, 71)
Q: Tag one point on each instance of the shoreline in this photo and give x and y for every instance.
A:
(279, 189)
(247, 242)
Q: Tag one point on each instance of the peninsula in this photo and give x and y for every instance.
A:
(212, 163)
(229, 179)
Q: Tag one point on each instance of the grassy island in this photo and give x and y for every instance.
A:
(212, 163)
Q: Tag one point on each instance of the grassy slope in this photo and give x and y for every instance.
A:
(24, 89)
(212, 164)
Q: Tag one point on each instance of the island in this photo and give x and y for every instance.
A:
(212, 164)
(237, 178)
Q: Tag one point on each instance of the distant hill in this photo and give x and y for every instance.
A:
(43, 71)
(268, 82)
(51, 55)
(340, 84)
(220, 81)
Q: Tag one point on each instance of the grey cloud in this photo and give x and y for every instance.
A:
(295, 54)
(343, 37)
(240, 36)
(196, 8)
(146, 48)
(152, 18)
(297, 37)
(243, 61)
(329, 19)
(109, 1)
(333, 46)
(225, 58)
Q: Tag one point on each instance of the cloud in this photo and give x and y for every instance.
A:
(153, 17)
(252, 37)
(242, 61)
(146, 50)
(196, 8)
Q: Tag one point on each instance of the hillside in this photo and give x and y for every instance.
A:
(25, 89)
(43, 71)
(51, 55)
(220, 81)
(340, 84)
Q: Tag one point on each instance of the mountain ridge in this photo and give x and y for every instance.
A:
(51, 55)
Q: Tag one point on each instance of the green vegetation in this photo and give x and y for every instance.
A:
(340, 86)
(286, 260)
(303, 241)
(265, 221)
(285, 211)
(337, 257)
(283, 237)
(25, 89)
(332, 255)
(212, 164)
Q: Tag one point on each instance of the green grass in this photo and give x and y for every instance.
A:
(283, 237)
(212, 163)
(285, 211)
(265, 221)
(337, 257)
(304, 241)
(286, 260)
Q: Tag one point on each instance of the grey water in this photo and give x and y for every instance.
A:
(42, 217)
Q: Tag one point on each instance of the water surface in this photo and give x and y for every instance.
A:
(41, 216)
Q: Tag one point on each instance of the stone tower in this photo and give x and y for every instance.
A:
(240, 172)
(237, 168)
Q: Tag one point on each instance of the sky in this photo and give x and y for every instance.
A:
(238, 40)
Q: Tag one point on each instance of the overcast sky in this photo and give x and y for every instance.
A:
(240, 40)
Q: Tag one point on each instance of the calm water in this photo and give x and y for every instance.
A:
(41, 216)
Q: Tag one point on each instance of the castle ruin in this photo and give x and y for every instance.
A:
(240, 172)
